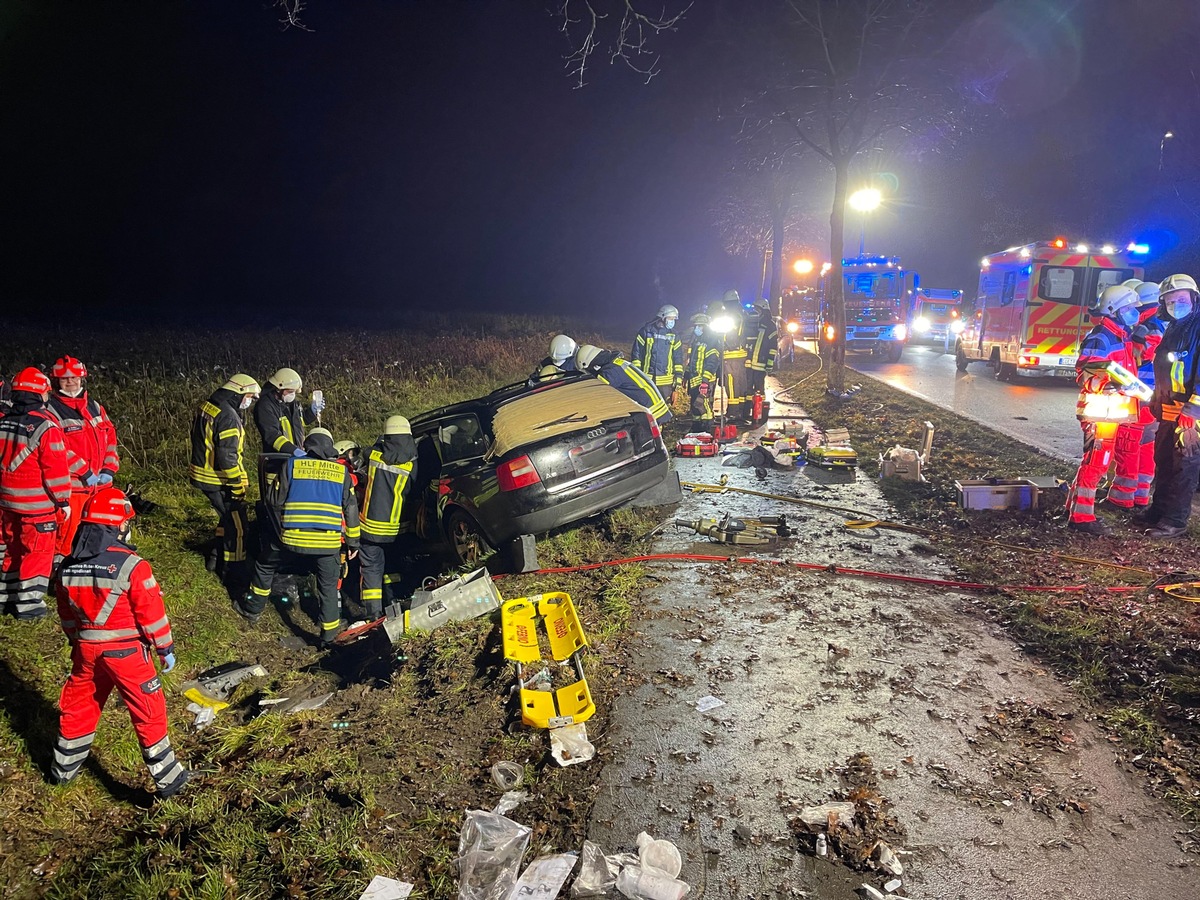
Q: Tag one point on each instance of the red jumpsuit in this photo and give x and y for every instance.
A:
(112, 612)
(91, 443)
(1107, 341)
(1147, 336)
(34, 485)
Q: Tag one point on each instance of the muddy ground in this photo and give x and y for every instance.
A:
(992, 778)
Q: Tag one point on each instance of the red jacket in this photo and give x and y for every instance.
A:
(90, 436)
(112, 596)
(34, 479)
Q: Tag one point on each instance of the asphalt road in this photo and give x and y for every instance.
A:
(1037, 411)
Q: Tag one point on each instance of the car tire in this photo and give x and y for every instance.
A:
(894, 351)
(467, 541)
(960, 359)
(1006, 372)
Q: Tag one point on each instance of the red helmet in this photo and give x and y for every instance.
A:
(69, 367)
(32, 380)
(108, 506)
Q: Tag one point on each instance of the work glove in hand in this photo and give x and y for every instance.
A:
(105, 478)
(168, 661)
(317, 406)
(703, 389)
(299, 452)
(93, 480)
(1186, 421)
(1189, 439)
(65, 512)
(1139, 334)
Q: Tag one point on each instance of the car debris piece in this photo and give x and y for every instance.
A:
(543, 705)
(214, 687)
(827, 814)
(892, 886)
(569, 744)
(466, 597)
(660, 854)
(490, 849)
(545, 876)
(704, 704)
(642, 883)
(888, 861)
(204, 715)
(384, 888)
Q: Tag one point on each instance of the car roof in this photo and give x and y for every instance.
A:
(497, 398)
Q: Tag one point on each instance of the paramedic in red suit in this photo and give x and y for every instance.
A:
(91, 442)
(112, 612)
(1108, 341)
(35, 493)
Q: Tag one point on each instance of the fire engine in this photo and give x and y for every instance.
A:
(877, 294)
(936, 317)
(1032, 307)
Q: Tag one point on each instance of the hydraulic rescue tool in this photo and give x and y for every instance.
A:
(730, 529)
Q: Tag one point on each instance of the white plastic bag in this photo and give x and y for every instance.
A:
(570, 745)
(544, 877)
(597, 873)
(659, 854)
(490, 849)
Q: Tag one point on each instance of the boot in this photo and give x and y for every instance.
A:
(1094, 527)
(243, 608)
(1166, 532)
(213, 556)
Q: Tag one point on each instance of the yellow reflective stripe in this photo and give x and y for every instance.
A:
(320, 540)
(353, 532)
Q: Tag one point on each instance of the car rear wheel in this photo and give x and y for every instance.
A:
(467, 540)
(1006, 372)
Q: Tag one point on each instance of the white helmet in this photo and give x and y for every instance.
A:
(1132, 283)
(397, 425)
(242, 384)
(667, 311)
(286, 380)
(1115, 298)
(1179, 283)
(1147, 293)
(561, 348)
(585, 355)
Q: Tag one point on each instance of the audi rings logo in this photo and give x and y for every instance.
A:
(596, 432)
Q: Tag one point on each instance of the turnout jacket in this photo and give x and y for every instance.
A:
(319, 510)
(110, 594)
(632, 382)
(1175, 366)
(1146, 337)
(703, 361)
(90, 437)
(389, 479)
(765, 346)
(281, 425)
(34, 474)
(658, 353)
(218, 443)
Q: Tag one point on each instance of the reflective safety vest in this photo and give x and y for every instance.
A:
(634, 384)
(280, 425)
(112, 596)
(218, 441)
(386, 486)
(34, 478)
(313, 517)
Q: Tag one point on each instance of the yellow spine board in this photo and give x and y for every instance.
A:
(519, 628)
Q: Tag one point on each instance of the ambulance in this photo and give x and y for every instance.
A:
(1031, 310)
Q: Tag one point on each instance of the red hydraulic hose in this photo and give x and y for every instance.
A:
(837, 570)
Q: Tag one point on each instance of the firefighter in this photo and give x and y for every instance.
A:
(318, 515)
(218, 469)
(113, 615)
(389, 480)
(734, 376)
(1107, 342)
(627, 378)
(762, 349)
(658, 352)
(704, 359)
(1147, 335)
(279, 416)
(91, 441)
(560, 360)
(35, 495)
(350, 455)
(1176, 405)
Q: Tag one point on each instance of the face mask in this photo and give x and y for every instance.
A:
(287, 396)
(247, 399)
(74, 393)
(1128, 316)
(1179, 309)
(669, 323)
(698, 331)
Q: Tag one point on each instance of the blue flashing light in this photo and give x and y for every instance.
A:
(1138, 248)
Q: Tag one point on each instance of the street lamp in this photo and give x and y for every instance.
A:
(802, 266)
(1167, 135)
(864, 201)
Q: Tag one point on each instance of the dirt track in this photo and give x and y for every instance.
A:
(1000, 786)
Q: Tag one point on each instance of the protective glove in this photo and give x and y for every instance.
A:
(1139, 334)
(92, 480)
(317, 406)
(65, 512)
(1189, 438)
(168, 660)
(704, 389)
(105, 478)
(299, 452)
(1186, 421)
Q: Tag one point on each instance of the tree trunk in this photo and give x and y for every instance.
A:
(779, 206)
(835, 298)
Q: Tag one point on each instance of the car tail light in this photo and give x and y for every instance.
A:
(1025, 360)
(517, 473)
(655, 431)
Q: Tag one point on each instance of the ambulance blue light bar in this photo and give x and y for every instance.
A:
(1138, 248)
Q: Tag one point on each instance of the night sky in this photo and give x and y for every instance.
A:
(195, 162)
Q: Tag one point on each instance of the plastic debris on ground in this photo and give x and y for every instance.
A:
(648, 883)
(510, 801)
(490, 849)
(384, 888)
(597, 873)
(569, 745)
(204, 715)
(294, 702)
(704, 704)
(215, 686)
(659, 854)
(507, 775)
(545, 876)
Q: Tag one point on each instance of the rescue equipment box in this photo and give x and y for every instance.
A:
(543, 705)
(997, 493)
(698, 443)
(466, 597)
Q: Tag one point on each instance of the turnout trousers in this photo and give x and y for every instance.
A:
(1145, 478)
(1097, 456)
(231, 524)
(1127, 450)
(97, 668)
(329, 572)
(28, 562)
(1174, 479)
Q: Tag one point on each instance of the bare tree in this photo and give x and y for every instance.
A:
(621, 28)
(291, 10)
(850, 77)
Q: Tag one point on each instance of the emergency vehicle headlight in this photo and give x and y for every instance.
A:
(957, 326)
(830, 332)
(1108, 248)
(793, 326)
(900, 332)
(920, 324)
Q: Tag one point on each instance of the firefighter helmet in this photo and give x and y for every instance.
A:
(1147, 293)
(585, 355)
(561, 348)
(547, 372)
(1132, 283)
(700, 319)
(1173, 283)
(108, 506)
(33, 380)
(346, 447)
(667, 311)
(397, 425)
(286, 380)
(68, 367)
(1115, 298)
(319, 432)
(242, 384)
(731, 298)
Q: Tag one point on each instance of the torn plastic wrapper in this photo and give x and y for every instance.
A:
(490, 848)
(545, 876)
(569, 744)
